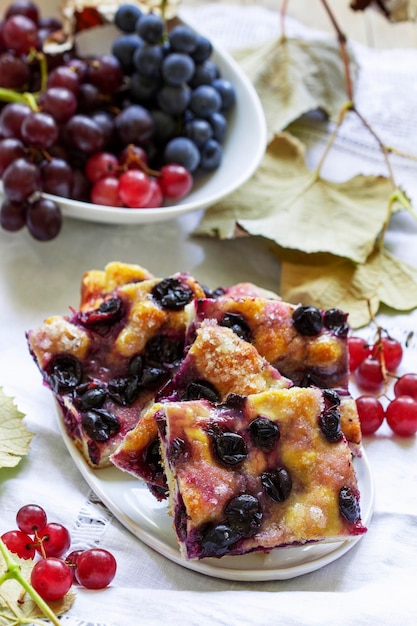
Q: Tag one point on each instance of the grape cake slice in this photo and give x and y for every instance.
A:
(258, 472)
(105, 361)
(306, 345)
(217, 364)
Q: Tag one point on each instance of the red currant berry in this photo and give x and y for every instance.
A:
(51, 578)
(96, 568)
(358, 350)
(371, 414)
(369, 374)
(401, 415)
(406, 386)
(31, 518)
(19, 543)
(54, 540)
(392, 351)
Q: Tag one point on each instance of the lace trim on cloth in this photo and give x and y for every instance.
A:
(91, 524)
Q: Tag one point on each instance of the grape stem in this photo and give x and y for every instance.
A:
(13, 571)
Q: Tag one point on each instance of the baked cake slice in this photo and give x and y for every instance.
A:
(216, 365)
(105, 361)
(258, 472)
(305, 344)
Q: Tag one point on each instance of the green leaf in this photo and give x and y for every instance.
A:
(294, 76)
(358, 289)
(15, 438)
(286, 202)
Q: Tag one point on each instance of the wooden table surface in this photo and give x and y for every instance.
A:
(368, 27)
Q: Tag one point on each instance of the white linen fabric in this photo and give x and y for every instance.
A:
(373, 583)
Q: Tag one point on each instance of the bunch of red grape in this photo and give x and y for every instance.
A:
(372, 367)
(132, 128)
(53, 573)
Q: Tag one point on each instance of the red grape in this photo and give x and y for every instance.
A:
(100, 165)
(31, 518)
(358, 349)
(369, 374)
(44, 219)
(134, 188)
(21, 179)
(401, 415)
(13, 215)
(406, 386)
(392, 351)
(96, 568)
(19, 543)
(51, 578)
(54, 540)
(371, 413)
(176, 182)
(106, 192)
(20, 34)
(157, 197)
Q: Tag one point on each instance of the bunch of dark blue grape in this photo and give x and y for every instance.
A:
(173, 75)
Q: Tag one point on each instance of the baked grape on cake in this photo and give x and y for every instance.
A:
(217, 364)
(105, 361)
(305, 344)
(258, 472)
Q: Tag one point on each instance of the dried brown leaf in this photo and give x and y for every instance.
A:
(295, 76)
(383, 279)
(288, 203)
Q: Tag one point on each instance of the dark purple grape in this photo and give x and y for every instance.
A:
(200, 389)
(307, 320)
(88, 98)
(14, 72)
(84, 134)
(80, 187)
(172, 294)
(63, 76)
(21, 179)
(217, 540)
(349, 504)
(64, 373)
(10, 150)
(13, 215)
(329, 422)
(59, 102)
(243, 513)
(100, 424)
(105, 121)
(39, 130)
(134, 125)
(230, 448)
(57, 177)
(11, 118)
(23, 7)
(264, 433)
(44, 219)
(105, 72)
(238, 324)
(20, 34)
(277, 484)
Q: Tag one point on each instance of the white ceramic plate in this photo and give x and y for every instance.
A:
(243, 148)
(134, 506)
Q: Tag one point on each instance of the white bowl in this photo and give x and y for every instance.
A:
(243, 148)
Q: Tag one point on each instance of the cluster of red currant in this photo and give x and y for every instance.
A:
(53, 574)
(372, 367)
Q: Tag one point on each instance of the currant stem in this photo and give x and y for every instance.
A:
(13, 570)
(346, 107)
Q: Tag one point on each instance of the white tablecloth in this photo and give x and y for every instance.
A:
(372, 584)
